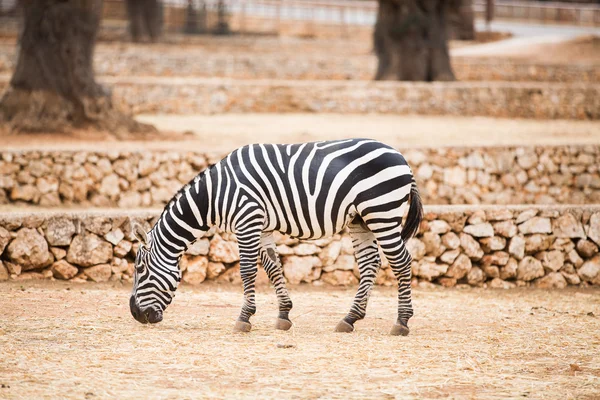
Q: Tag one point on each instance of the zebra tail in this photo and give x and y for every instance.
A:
(415, 214)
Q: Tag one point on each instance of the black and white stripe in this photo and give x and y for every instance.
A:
(307, 191)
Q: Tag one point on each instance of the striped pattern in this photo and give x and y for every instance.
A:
(307, 191)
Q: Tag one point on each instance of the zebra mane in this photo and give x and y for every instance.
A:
(179, 193)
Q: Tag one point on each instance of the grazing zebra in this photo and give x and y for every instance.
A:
(307, 191)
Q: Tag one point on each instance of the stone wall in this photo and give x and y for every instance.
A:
(130, 179)
(499, 247)
(492, 99)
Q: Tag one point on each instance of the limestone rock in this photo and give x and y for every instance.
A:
(447, 282)
(483, 229)
(554, 280)
(526, 215)
(492, 244)
(416, 248)
(590, 269)
(475, 277)
(567, 226)
(460, 267)
(330, 253)
(505, 229)
(449, 256)
(298, 269)
(25, 193)
(284, 250)
(509, 271)
(347, 247)
(471, 246)
(536, 225)
(593, 230)
(516, 247)
(491, 271)
(527, 160)
(586, 248)
(59, 231)
(196, 270)
(97, 225)
(439, 226)
(455, 220)
(98, 273)
(501, 214)
(574, 258)
(29, 249)
(4, 275)
(498, 283)
(214, 270)
(13, 269)
(223, 251)
(433, 244)
(572, 279)
(529, 268)
(58, 253)
(123, 248)
(200, 247)
(451, 240)
(537, 242)
(88, 249)
(306, 249)
(339, 278)
(4, 239)
(478, 217)
(115, 236)
(551, 260)
(63, 270)
(345, 262)
(430, 270)
(455, 176)
(497, 258)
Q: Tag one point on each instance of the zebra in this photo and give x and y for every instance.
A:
(307, 191)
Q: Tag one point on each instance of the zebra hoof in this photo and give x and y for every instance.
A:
(241, 326)
(399, 330)
(345, 327)
(283, 324)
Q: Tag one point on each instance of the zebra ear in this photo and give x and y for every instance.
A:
(140, 234)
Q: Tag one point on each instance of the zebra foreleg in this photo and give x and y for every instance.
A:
(249, 244)
(272, 265)
(367, 256)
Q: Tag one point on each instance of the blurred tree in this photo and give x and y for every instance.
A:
(411, 42)
(222, 27)
(145, 15)
(461, 19)
(53, 86)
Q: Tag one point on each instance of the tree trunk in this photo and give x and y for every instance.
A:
(410, 40)
(145, 16)
(461, 20)
(53, 87)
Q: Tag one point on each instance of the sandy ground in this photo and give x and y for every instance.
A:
(552, 49)
(79, 341)
(222, 133)
(230, 131)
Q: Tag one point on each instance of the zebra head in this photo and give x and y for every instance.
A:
(154, 281)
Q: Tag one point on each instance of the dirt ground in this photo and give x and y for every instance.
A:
(79, 341)
(583, 50)
(223, 133)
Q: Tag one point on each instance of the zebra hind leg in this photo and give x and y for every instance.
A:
(369, 262)
(249, 244)
(272, 265)
(400, 261)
